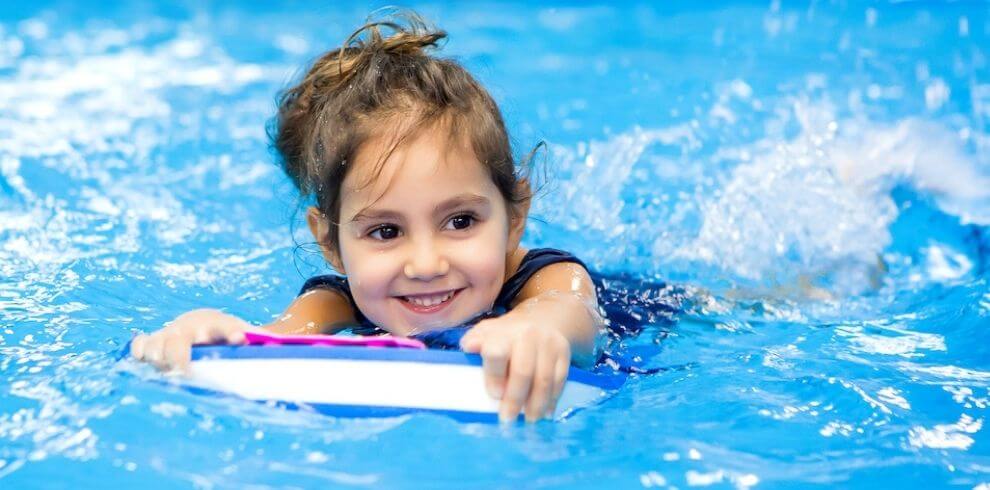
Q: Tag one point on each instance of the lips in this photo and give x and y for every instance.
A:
(429, 303)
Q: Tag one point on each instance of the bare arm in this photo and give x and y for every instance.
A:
(318, 311)
(527, 352)
(562, 296)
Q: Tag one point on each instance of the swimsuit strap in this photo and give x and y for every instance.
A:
(534, 260)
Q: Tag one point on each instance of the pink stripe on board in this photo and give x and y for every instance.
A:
(386, 341)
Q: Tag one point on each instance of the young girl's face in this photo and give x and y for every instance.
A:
(425, 242)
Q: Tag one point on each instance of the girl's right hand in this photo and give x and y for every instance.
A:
(171, 347)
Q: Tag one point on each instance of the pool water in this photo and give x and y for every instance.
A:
(813, 182)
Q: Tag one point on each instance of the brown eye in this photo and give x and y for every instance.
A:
(385, 232)
(461, 221)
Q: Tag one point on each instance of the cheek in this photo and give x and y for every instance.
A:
(488, 274)
(371, 280)
(484, 263)
(370, 286)
(369, 274)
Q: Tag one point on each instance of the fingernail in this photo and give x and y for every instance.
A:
(505, 417)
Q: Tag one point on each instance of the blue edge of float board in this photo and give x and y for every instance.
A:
(606, 382)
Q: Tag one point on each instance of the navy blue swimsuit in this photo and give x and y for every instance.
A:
(534, 260)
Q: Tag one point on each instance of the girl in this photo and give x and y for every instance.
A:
(420, 208)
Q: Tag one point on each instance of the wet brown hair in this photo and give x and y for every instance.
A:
(376, 83)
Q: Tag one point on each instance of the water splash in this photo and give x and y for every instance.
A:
(811, 203)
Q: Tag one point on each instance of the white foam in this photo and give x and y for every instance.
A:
(98, 102)
(699, 479)
(562, 19)
(291, 44)
(34, 28)
(605, 167)
(873, 157)
(894, 341)
(946, 436)
(820, 202)
(812, 203)
(943, 264)
(936, 94)
(49, 104)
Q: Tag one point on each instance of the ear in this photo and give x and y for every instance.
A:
(518, 213)
(319, 226)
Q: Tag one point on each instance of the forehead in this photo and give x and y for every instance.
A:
(425, 168)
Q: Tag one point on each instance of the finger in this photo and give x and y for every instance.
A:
(470, 343)
(154, 350)
(235, 335)
(541, 391)
(207, 333)
(474, 338)
(238, 329)
(559, 381)
(494, 365)
(521, 367)
(223, 330)
(178, 351)
(137, 347)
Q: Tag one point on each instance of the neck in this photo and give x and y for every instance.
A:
(513, 260)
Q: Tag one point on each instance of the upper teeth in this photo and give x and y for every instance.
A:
(430, 300)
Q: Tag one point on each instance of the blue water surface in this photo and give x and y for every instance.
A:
(813, 179)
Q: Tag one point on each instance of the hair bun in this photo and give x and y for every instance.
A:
(411, 43)
(411, 34)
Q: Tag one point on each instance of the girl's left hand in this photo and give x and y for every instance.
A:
(525, 364)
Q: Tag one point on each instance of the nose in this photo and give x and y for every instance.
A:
(426, 262)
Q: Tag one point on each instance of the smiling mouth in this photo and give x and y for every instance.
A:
(429, 303)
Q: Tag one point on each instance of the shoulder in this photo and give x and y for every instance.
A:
(558, 277)
(544, 269)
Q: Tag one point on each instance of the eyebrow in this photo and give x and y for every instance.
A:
(370, 213)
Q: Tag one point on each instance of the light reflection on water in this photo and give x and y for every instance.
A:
(814, 182)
